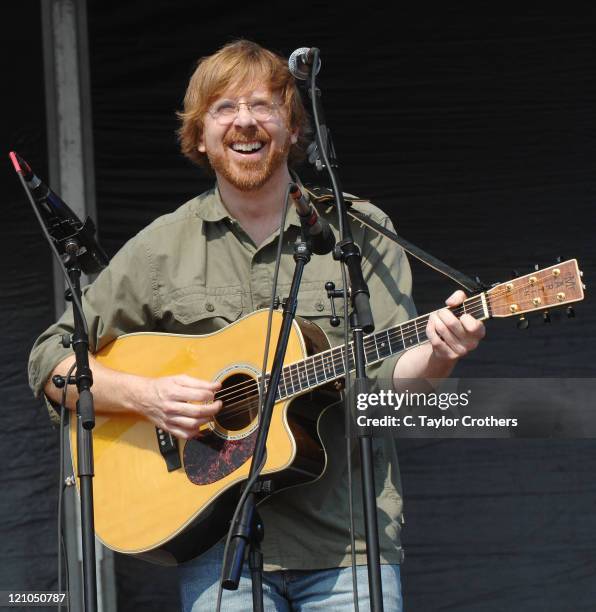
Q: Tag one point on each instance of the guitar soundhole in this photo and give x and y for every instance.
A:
(240, 396)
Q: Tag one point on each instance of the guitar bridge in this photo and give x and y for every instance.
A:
(168, 447)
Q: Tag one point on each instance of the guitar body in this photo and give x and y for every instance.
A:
(172, 514)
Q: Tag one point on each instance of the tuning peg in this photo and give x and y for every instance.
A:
(570, 312)
(558, 259)
(523, 323)
(514, 273)
(536, 267)
(546, 316)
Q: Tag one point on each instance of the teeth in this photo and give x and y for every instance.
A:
(246, 146)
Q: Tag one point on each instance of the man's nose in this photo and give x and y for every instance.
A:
(244, 117)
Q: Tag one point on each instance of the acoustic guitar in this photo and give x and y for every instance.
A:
(168, 500)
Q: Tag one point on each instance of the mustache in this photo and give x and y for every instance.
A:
(246, 136)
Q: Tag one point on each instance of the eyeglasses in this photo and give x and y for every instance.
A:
(225, 111)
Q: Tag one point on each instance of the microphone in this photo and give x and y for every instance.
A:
(315, 229)
(62, 223)
(300, 63)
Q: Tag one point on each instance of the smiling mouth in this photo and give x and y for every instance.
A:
(246, 148)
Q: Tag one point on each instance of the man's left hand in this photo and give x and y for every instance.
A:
(452, 338)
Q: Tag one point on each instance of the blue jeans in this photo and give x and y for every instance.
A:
(285, 590)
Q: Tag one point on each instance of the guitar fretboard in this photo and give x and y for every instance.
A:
(329, 365)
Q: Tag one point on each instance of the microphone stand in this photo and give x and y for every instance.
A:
(248, 527)
(361, 322)
(85, 425)
(73, 251)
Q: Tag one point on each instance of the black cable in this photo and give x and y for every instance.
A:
(61, 486)
(348, 433)
(322, 149)
(338, 194)
(251, 481)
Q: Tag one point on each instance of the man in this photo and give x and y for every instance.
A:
(210, 262)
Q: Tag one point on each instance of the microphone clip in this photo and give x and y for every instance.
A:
(333, 293)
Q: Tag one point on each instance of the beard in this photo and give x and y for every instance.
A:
(248, 175)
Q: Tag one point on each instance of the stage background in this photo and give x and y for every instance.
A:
(475, 131)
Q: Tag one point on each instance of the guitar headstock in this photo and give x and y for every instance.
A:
(547, 288)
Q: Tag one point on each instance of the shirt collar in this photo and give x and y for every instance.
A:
(210, 207)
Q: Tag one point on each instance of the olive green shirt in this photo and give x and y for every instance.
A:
(195, 271)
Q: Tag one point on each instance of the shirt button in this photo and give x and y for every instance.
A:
(209, 307)
(319, 306)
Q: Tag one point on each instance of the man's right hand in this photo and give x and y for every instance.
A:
(180, 404)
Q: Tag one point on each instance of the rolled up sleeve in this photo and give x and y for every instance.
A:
(123, 299)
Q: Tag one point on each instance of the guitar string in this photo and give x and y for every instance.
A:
(475, 307)
(337, 354)
(492, 294)
(328, 367)
(472, 308)
(335, 357)
(295, 380)
(245, 404)
(369, 341)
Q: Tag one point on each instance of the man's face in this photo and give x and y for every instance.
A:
(247, 149)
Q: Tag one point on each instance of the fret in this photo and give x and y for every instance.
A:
(290, 380)
(416, 330)
(295, 376)
(410, 339)
(422, 337)
(376, 345)
(370, 351)
(319, 369)
(340, 366)
(396, 343)
(345, 359)
(384, 346)
(327, 365)
(333, 356)
(283, 391)
(311, 374)
(302, 375)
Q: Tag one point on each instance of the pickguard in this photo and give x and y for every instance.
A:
(210, 458)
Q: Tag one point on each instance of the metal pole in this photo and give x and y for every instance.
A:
(71, 174)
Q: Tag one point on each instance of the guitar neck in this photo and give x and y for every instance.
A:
(330, 365)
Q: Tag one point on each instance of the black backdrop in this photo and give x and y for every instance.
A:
(475, 131)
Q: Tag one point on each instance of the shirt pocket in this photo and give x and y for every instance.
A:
(313, 303)
(202, 310)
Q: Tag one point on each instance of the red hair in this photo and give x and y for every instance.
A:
(238, 64)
